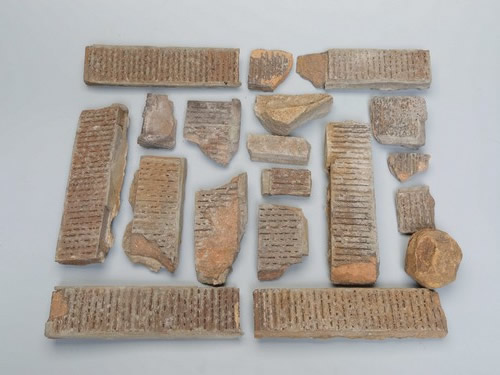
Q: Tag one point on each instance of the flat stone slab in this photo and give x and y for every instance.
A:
(143, 312)
(215, 127)
(399, 120)
(353, 246)
(286, 181)
(355, 313)
(383, 69)
(153, 236)
(94, 185)
(161, 66)
(159, 127)
(268, 69)
(414, 209)
(403, 165)
(278, 149)
(282, 240)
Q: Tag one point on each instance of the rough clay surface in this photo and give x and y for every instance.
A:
(432, 258)
(414, 209)
(220, 219)
(159, 127)
(278, 149)
(286, 181)
(361, 313)
(403, 165)
(282, 240)
(268, 69)
(135, 312)
(94, 185)
(153, 236)
(281, 114)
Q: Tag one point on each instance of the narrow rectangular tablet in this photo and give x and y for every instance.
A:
(133, 312)
(286, 181)
(356, 313)
(278, 149)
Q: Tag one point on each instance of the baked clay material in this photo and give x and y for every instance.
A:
(281, 114)
(403, 165)
(143, 312)
(414, 209)
(278, 149)
(432, 258)
(355, 313)
(159, 127)
(94, 185)
(286, 181)
(220, 219)
(367, 69)
(268, 69)
(283, 240)
(353, 247)
(161, 66)
(399, 120)
(153, 236)
(214, 127)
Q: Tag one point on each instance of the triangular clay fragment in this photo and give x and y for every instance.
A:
(268, 69)
(159, 126)
(404, 165)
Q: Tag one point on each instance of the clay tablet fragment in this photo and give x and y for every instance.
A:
(219, 224)
(161, 66)
(159, 127)
(283, 240)
(94, 185)
(153, 237)
(383, 69)
(268, 69)
(355, 313)
(151, 312)
(281, 114)
(214, 127)
(286, 181)
(353, 247)
(414, 209)
(404, 165)
(432, 258)
(278, 149)
(399, 120)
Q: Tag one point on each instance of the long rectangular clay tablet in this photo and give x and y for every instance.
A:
(362, 313)
(286, 181)
(94, 185)
(278, 149)
(161, 66)
(126, 312)
(353, 248)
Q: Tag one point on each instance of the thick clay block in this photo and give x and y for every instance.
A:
(356, 313)
(278, 149)
(220, 219)
(283, 240)
(159, 127)
(383, 69)
(286, 181)
(399, 120)
(353, 247)
(153, 236)
(161, 66)
(214, 127)
(414, 209)
(94, 186)
(403, 165)
(268, 69)
(138, 312)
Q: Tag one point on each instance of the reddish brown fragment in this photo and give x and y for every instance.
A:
(268, 69)
(286, 181)
(314, 68)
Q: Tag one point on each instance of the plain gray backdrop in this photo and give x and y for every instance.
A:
(42, 94)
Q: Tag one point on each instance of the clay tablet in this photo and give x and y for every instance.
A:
(150, 312)
(278, 149)
(356, 313)
(403, 165)
(414, 209)
(399, 120)
(219, 224)
(283, 240)
(353, 247)
(94, 184)
(383, 69)
(268, 69)
(161, 66)
(286, 181)
(153, 237)
(281, 114)
(159, 127)
(214, 127)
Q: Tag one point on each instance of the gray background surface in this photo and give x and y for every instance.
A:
(41, 96)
